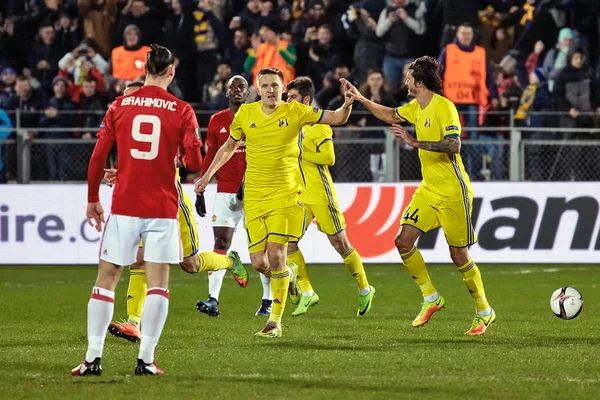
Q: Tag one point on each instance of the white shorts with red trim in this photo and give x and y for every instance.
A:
(228, 210)
(122, 234)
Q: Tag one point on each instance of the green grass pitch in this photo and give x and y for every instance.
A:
(328, 353)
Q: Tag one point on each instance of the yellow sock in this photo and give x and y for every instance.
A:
(298, 258)
(353, 262)
(414, 263)
(280, 281)
(472, 278)
(136, 294)
(210, 261)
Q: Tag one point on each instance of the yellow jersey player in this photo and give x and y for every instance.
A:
(273, 180)
(444, 197)
(193, 261)
(319, 200)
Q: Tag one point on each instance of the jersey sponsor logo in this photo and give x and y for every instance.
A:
(427, 123)
(223, 130)
(253, 125)
(315, 109)
(283, 122)
(451, 128)
(149, 102)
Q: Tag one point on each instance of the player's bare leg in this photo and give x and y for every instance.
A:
(273, 262)
(100, 312)
(354, 264)
(485, 315)
(414, 263)
(223, 236)
(136, 296)
(154, 316)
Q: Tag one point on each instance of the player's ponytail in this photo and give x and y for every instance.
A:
(158, 59)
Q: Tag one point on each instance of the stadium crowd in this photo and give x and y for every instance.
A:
(63, 61)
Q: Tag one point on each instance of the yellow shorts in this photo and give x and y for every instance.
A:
(330, 219)
(187, 224)
(268, 222)
(425, 214)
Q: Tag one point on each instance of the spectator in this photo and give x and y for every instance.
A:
(67, 33)
(5, 131)
(495, 42)
(576, 92)
(556, 58)
(58, 113)
(127, 61)
(179, 34)
(8, 77)
(469, 83)
(210, 37)
(266, 11)
(284, 11)
(29, 102)
(368, 50)
(249, 18)
(273, 52)
(532, 22)
(376, 90)
(238, 51)
(314, 18)
(214, 97)
(323, 55)
(136, 13)
(9, 49)
(79, 62)
(44, 56)
(401, 26)
(331, 86)
(99, 18)
(91, 111)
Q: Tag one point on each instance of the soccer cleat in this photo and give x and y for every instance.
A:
(480, 324)
(305, 303)
(270, 331)
(209, 307)
(126, 331)
(265, 308)
(427, 310)
(365, 302)
(147, 369)
(86, 368)
(239, 272)
(294, 289)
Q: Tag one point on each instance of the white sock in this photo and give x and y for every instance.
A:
(432, 297)
(266, 283)
(100, 312)
(310, 293)
(365, 291)
(487, 312)
(215, 282)
(154, 315)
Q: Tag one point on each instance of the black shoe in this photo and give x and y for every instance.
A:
(86, 368)
(147, 369)
(209, 307)
(265, 308)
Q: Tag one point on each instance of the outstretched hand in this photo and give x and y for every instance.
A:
(402, 133)
(351, 90)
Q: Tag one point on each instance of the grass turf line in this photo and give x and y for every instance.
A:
(327, 353)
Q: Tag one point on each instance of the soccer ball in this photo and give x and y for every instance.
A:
(566, 302)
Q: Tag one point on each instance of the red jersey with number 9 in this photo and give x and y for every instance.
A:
(151, 128)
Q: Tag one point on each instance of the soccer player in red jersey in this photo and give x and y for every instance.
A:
(227, 207)
(150, 128)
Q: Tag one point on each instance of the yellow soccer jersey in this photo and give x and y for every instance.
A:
(443, 174)
(272, 148)
(319, 185)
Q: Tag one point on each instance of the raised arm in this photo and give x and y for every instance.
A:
(341, 115)
(383, 113)
(223, 155)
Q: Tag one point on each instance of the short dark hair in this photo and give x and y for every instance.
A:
(304, 85)
(89, 78)
(137, 84)
(21, 78)
(427, 70)
(269, 71)
(158, 59)
(465, 25)
(375, 70)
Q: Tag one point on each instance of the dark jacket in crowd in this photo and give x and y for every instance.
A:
(65, 118)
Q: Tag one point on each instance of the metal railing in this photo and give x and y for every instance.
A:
(511, 152)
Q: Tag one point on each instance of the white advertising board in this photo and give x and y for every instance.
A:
(515, 222)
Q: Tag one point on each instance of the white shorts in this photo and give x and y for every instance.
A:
(122, 234)
(228, 210)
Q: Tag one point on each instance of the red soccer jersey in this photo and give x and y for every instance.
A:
(151, 127)
(230, 175)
